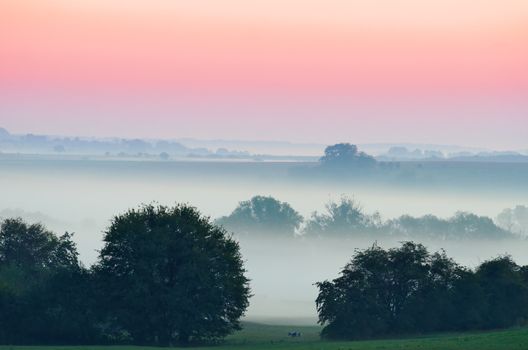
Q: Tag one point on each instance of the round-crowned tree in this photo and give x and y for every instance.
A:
(170, 276)
(346, 156)
(263, 214)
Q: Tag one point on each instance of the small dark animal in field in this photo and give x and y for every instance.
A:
(294, 334)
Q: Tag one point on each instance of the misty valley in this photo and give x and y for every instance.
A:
(264, 175)
(297, 223)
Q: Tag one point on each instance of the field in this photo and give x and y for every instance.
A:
(260, 337)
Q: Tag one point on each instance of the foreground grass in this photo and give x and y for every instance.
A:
(260, 337)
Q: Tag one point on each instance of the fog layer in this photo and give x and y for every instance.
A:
(83, 196)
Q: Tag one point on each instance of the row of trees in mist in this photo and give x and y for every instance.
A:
(76, 145)
(164, 276)
(345, 218)
(168, 275)
(407, 290)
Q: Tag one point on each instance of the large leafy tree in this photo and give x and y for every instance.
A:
(171, 276)
(382, 292)
(356, 305)
(506, 292)
(44, 294)
(408, 290)
(263, 214)
(33, 247)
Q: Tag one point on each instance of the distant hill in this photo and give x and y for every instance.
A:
(235, 149)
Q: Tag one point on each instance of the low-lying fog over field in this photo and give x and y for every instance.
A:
(83, 195)
(210, 162)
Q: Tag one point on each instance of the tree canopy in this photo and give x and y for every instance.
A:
(514, 220)
(171, 276)
(409, 290)
(345, 218)
(263, 214)
(43, 287)
(462, 225)
(342, 218)
(165, 275)
(346, 156)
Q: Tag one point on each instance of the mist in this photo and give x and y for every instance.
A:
(82, 196)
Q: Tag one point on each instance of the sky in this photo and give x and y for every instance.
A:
(325, 71)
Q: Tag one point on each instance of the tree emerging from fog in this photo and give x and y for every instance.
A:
(342, 218)
(345, 218)
(462, 225)
(170, 276)
(263, 214)
(514, 220)
(345, 156)
(409, 290)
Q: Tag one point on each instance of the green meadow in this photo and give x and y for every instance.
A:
(260, 337)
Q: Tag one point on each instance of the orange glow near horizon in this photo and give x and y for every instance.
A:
(389, 54)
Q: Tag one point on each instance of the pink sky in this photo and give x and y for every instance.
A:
(437, 71)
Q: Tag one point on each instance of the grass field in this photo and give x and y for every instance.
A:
(260, 337)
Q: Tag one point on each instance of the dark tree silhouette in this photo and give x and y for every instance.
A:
(505, 290)
(263, 215)
(171, 276)
(33, 247)
(346, 156)
(378, 291)
(408, 290)
(44, 291)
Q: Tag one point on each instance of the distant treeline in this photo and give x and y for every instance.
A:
(43, 144)
(346, 219)
(408, 290)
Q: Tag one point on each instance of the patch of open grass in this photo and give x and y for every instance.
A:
(259, 337)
